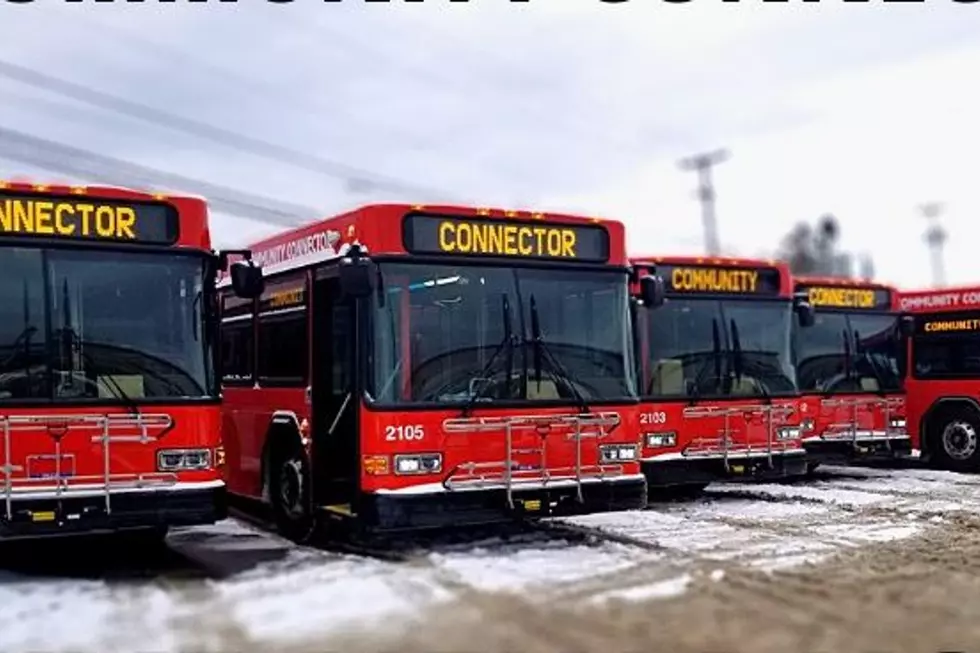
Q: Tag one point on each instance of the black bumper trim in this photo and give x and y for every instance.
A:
(701, 471)
(843, 452)
(393, 512)
(130, 510)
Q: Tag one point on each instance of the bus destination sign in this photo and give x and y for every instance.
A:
(720, 280)
(87, 218)
(869, 299)
(430, 234)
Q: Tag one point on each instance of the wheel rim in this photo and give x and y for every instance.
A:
(960, 440)
(291, 488)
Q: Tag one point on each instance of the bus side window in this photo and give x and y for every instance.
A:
(282, 355)
(237, 337)
(236, 351)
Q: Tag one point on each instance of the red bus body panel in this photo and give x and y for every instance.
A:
(924, 395)
(79, 468)
(702, 452)
(851, 427)
(248, 411)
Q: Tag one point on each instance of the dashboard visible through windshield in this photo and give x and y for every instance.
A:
(716, 348)
(79, 325)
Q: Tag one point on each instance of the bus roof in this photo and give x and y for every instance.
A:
(168, 219)
(937, 300)
(720, 275)
(425, 229)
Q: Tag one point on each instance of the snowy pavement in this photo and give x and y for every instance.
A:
(275, 593)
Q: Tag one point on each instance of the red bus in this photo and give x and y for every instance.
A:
(718, 389)
(850, 365)
(942, 386)
(109, 400)
(412, 368)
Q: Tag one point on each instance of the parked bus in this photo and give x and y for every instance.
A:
(850, 366)
(718, 389)
(942, 386)
(109, 413)
(414, 367)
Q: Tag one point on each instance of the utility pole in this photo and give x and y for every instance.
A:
(935, 238)
(703, 163)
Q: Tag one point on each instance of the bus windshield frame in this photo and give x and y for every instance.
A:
(876, 348)
(753, 360)
(106, 326)
(582, 317)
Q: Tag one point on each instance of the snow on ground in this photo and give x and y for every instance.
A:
(275, 592)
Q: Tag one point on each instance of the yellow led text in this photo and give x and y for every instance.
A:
(952, 325)
(506, 239)
(286, 298)
(78, 219)
(714, 280)
(843, 297)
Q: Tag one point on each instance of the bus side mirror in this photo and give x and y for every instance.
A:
(652, 291)
(906, 326)
(358, 276)
(246, 279)
(805, 314)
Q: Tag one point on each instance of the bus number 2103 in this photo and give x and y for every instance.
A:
(656, 417)
(397, 433)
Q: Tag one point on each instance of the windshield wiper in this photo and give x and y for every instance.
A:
(507, 343)
(740, 365)
(848, 364)
(879, 378)
(69, 339)
(694, 391)
(129, 403)
(557, 372)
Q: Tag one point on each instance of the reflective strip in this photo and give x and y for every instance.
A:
(732, 453)
(98, 490)
(437, 488)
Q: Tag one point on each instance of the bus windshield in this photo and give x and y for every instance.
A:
(80, 325)
(454, 334)
(850, 352)
(716, 348)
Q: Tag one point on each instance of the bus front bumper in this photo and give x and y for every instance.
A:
(39, 514)
(433, 507)
(679, 470)
(864, 446)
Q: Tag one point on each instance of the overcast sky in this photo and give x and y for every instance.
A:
(574, 105)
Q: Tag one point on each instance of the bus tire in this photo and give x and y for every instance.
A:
(954, 438)
(289, 485)
(811, 468)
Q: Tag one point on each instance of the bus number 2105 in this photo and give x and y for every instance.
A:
(398, 433)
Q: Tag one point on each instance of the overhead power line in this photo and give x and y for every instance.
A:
(64, 159)
(354, 177)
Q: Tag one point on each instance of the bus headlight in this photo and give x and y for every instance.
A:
(175, 460)
(898, 423)
(788, 433)
(422, 463)
(616, 452)
(661, 439)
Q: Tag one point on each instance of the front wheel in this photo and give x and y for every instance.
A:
(291, 494)
(955, 439)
